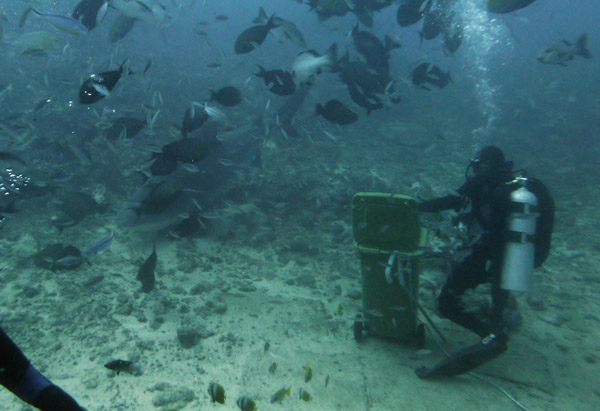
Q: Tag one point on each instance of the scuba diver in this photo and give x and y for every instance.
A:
(488, 191)
(22, 379)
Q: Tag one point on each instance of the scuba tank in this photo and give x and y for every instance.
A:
(519, 252)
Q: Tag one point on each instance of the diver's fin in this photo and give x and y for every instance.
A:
(466, 359)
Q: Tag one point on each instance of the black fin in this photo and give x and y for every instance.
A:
(390, 44)
(581, 47)
(466, 359)
(262, 16)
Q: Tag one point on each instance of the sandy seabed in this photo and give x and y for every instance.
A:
(216, 304)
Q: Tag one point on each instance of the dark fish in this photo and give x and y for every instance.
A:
(99, 85)
(58, 257)
(363, 14)
(162, 166)
(208, 135)
(120, 27)
(286, 31)
(453, 35)
(227, 96)
(246, 404)
(187, 227)
(369, 102)
(506, 6)
(375, 52)
(10, 157)
(428, 73)
(193, 119)
(94, 280)
(162, 195)
(433, 24)
(146, 272)
(368, 44)
(186, 150)
(213, 65)
(368, 80)
(124, 127)
(279, 82)
(336, 112)
(412, 11)
(77, 206)
(64, 222)
(156, 205)
(87, 12)
(221, 17)
(565, 51)
(120, 366)
(253, 37)
(216, 393)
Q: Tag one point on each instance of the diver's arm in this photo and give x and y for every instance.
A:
(441, 203)
(22, 379)
(454, 201)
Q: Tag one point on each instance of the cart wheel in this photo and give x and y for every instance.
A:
(359, 326)
(420, 336)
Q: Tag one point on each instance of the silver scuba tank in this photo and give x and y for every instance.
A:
(519, 251)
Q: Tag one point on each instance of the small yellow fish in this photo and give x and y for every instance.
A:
(307, 373)
(281, 394)
(216, 392)
(304, 395)
(273, 368)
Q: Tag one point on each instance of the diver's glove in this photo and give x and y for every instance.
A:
(466, 359)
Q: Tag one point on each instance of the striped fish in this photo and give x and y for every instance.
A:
(64, 23)
(100, 246)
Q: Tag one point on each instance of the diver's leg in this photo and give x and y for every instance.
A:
(22, 379)
(465, 275)
(473, 271)
(13, 363)
(499, 298)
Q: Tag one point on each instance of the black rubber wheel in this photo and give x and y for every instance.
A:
(358, 327)
(420, 336)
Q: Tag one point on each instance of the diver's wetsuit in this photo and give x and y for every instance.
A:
(489, 210)
(22, 379)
